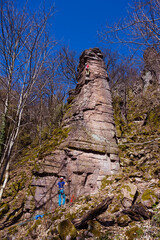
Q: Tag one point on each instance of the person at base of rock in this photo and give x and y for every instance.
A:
(61, 193)
(87, 70)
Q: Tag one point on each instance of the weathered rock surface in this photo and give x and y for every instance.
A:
(151, 72)
(90, 151)
(128, 191)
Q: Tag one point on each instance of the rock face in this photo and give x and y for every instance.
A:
(90, 151)
(151, 72)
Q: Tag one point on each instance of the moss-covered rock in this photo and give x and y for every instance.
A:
(94, 227)
(149, 198)
(105, 182)
(115, 208)
(134, 233)
(4, 208)
(33, 228)
(123, 220)
(67, 230)
(128, 191)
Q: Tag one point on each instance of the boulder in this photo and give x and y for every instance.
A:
(137, 212)
(94, 227)
(67, 230)
(149, 198)
(128, 191)
(123, 220)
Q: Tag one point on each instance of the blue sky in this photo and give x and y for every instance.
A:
(75, 23)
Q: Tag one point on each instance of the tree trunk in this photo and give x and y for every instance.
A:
(5, 181)
(102, 207)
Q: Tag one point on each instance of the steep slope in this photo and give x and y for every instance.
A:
(134, 212)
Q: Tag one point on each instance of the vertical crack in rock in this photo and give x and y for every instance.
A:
(90, 151)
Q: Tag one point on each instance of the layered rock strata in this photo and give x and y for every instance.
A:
(90, 151)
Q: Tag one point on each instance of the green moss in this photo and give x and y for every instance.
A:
(66, 228)
(132, 224)
(87, 198)
(123, 220)
(105, 182)
(149, 195)
(118, 177)
(4, 208)
(70, 216)
(38, 222)
(134, 233)
(12, 230)
(115, 209)
(154, 117)
(120, 196)
(119, 121)
(126, 187)
(94, 227)
(16, 186)
(123, 147)
(50, 145)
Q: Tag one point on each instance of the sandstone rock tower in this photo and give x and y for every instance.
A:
(90, 151)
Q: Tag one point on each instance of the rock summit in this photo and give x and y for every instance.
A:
(90, 151)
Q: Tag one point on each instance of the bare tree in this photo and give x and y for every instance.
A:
(24, 50)
(68, 66)
(139, 29)
(122, 76)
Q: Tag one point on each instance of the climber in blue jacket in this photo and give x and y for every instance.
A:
(61, 193)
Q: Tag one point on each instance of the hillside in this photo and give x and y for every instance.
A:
(134, 208)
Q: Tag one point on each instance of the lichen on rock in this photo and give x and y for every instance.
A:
(149, 198)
